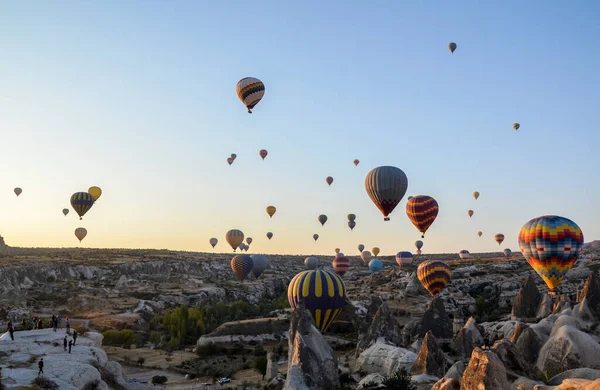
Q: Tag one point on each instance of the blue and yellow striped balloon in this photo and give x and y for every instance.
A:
(434, 275)
(81, 203)
(551, 245)
(241, 266)
(322, 292)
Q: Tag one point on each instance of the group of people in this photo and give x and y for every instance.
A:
(70, 343)
(56, 323)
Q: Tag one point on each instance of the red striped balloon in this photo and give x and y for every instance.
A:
(341, 265)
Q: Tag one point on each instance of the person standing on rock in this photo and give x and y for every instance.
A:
(58, 319)
(33, 322)
(74, 336)
(11, 330)
(54, 322)
(70, 345)
(65, 343)
(24, 324)
(40, 324)
(41, 366)
(68, 322)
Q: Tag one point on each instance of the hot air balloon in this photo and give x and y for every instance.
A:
(269, 235)
(375, 251)
(507, 252)
(375, 265)
(351, 225)
(464, 254)
(340, 254)
(516, 126)
(263, 153)
(329, 180)
(356, 162)
(249, 240)
(337, 250)
(470, 212)
(419, 251)
(259, 264)
(434, 275)
(322, 292)
(18, 191)
(229, 160)
(479, 233)
(322, 218)
(476, 195)
(410, 197)
(452, 47)
(419, 244)
(81, 203)
(311, 262)
(386, 186)
(499, 238)
(241, 266)
(271, 211)
(351, 217)
(233, 156)
(65, 212)
(80, 233)
(404, 257)
(241, 247)
(366, 256)
(422, 211)
(361, 248)
(340, 264)
(234, 238)
(551, 245)
(96, 192)
(213, 241)
(250, 91)
(315, 237)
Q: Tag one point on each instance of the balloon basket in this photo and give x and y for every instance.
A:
(386, 219)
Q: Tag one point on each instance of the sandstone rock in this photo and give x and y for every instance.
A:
(430, 359)
(272, 369)
(591, 293)
(384, 326)
(546, 306)
(385, 359)
(514, 363)
(368, 381)
(581, 373)
(523, 383)
(446, 384)
(527, 343)
(436, 320)
(527, 302)
(485, 371)
(456, 371)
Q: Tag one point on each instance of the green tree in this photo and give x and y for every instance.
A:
(155, 338)
(260, 365)
(400, 380)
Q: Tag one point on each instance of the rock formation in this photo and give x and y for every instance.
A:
(485, 371)
(385, 359)
(436, 320)
(467, 339)
(591, 294)
(527, 302)
(384, 326)
(430, 360)
(527, 342)
(272, 370)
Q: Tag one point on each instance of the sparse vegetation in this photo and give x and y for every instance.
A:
(45, 383)
(118, 338)
(260, 365)
(400, 380)
(159, 380)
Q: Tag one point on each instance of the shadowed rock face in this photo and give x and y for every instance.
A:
(436, 320)
(431, 360)
(485, 371)
(385, 326)
(527, 302)
(312, 362)
(527, 342)
(591, 293)
(515, 364)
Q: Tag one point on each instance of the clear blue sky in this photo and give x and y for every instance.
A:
(139, 98)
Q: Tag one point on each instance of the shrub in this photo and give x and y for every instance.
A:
(159, 380)
(118, 337)
(400, 380)
(45, 383)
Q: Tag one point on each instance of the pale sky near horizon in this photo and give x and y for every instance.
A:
(139, 98)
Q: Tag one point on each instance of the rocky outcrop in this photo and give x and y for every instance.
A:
(581, 373)
(514, 363)
(257, 330)
(527, 302)
(414, 286)
(446, 384)
(371, 382)
(385, 359)
(272, 370)
(527, 342)
(430, 360)
(591, 293)
(546, 306)
(436, 320)
(467, 339)
(384, 326)
(312, 362)
(485, 371)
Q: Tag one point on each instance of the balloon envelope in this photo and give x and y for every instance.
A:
(229, 160)
(329, 180)
(366, 256)
(65, 212)
(263, 153)
(351, 225)
(269, 235)
(250, 91)
(249, 240)
(356, 162)
(422, 211)
(234, 237)
(81, 202)
(470, 212)
(341, 264)
(213, 241)
(241, 266)
(375, 265)
(516, 126)
(322, 218)
(311, 262)
(404, 257)
(499, 238)
(386, 186)
(361, 248)
(419, 244)
(315, 237)
(452, 47)
(96, 192)
(464, 254)
(351, 217)
(322, 292)
(476, 195)
(337, 250)
(375, 251)
(18, 191)
(259, 264)
(479, 233)
(271, 211)
(507, 252)
(80, 233)
(434, 275)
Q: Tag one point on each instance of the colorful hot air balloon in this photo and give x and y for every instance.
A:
(507, 252)
(315, 236)
(322, 292)
(329, 180)
(340, 264)
(551, 245)
(259, 264)
(96, 192)
(375, 251)
(213, 241)
(18, 191)
(229, 160)
(361, 248)
(80, 233)
(419, 251)
(311, 262)
(250, 91)
(404, 257)
(65, 212)
(375, 265)
(366, 256)
(271, 211)
(470, 212)
(422, 211)
(479, 233)
(499, 238)
(249, 240)
(337, 250)
(476, 195)
(419, 244)
(464, 254)
(410, 197)
(81, 203)
(263, 153)
(356, 162)
(434, 275)
(241, 266)
(516, 126)
(351, 225)
(386, 186)
(452, 47)
(234, 237)
(322, 218)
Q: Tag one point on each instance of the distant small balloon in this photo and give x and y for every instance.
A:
(419, 244)
(337, 250)
(499, 238)
(329, 180)
(80, 233)
(452, 47)
(351, 225)
(479, 233)
(250, 91)
(18, 191)
(249, 240)
(516, 126)
(213, 241)
(259, 264)
(234, 237)
(476, 195)
(322, 218)
(96, 192)
(233, 156)
(269, 235)
(263, 153)
(229, 160)
(311, 262)
(65, 212)
(404, 258)
(340, 254)
(340, 265)
(507, 252)
(470, 212)
(375, 251)
(271, 211)
(356, 162)
(315, 237)
(419, 251)
(366, 256)
(361, 248)
(464, 254)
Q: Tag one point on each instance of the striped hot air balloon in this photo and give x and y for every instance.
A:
(250, 90)
(386, 187)
(234, 237)
(311, 262)
(259, 264)
(375, 265)
(340, 264)
(422, 211)
(322, 292)
(507, 252)
(434, 275)
(464, 254)
(82, 202)
(404, 257)
(499, 238)
(241, 266)
(551, 245)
